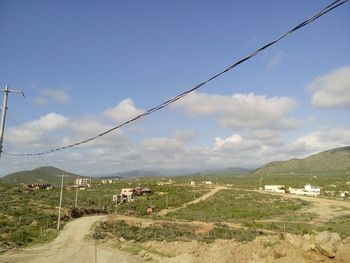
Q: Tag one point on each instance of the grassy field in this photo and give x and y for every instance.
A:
(170, 232)
(30, 216)
(237, 205)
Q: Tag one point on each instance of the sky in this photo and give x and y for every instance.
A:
(87, 66)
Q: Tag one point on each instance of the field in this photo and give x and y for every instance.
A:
(239, 205)
(30, 216)
(238, 212)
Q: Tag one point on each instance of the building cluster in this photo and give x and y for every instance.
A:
(307, 190)
(46, 186)
(169, 182)
(83, 182)
(129, 194)
(109, 181)
(275, 188)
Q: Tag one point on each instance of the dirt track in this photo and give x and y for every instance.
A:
(199, 199)
(71, 246)
(326, 209)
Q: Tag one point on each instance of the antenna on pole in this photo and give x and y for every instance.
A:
(6, 92)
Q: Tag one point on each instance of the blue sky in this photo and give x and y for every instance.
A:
(88, 65)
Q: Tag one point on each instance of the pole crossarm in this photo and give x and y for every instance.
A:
(6, 92)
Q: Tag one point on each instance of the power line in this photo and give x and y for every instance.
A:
(198, 86)
(36, 121)
(26, 137)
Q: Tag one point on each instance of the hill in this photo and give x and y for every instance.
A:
(225, 171)
(335, 161)
(128, 174)
(45, 174)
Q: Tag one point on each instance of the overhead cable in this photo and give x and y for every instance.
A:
(198, 86)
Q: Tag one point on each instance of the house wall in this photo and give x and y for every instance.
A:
(275, 188)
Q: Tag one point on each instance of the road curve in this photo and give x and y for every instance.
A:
(71, 246)
(195, 201)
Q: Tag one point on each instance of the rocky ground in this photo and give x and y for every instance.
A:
(288, 248)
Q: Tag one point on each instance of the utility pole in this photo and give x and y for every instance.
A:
(76, 198)
(3, 113)
(59, 209)
(166, 201)
(194, 191)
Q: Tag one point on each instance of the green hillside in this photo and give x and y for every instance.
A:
(46, 174)
(335, 161)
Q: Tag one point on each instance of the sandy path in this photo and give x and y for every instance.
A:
(197, 200)
(71, 246)
(325, 208)
(199, 226)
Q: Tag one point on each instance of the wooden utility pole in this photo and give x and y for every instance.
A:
(76, 197)
(59, 209)
(3, 113)
(166, 201)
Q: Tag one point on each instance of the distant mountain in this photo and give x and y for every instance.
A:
(226, 171)
(45, 174)
(335, 161)
(133, 173)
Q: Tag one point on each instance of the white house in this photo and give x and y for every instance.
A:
(307, 190)
(344, 194)
(128, 192)
(193, 183)
(83, 181)
(126, 195)
(275, 188)
(207, 182)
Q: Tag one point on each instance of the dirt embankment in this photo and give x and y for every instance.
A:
(325, 247)
(70, 246)
(73, 246)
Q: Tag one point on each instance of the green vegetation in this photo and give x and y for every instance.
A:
(335, 162)
(285, 227)
(170, 232)
(22, 221)
(29, 216)
(237, 205)
(340, 224)
(176, 195)
(46, 174)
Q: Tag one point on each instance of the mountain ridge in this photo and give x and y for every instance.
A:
(44, 174)
(335, 160)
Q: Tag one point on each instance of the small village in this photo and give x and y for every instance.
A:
(308, 190)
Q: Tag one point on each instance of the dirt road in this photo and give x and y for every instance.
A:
(71, 246)
(199, 199)
(326, 209)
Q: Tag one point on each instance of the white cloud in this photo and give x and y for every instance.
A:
(51, 122)
(32, 131)
(163, 145)
(246, 149)
(332, 89)
(124, 111)
(48, 96)
(323, 139)
(234, 139)
(241, 110)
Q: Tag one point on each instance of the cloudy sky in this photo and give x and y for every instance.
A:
(87, 66)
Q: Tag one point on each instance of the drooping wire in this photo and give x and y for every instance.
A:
(13, 120)
(36, 121)
(25, 137)
(198, 86)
